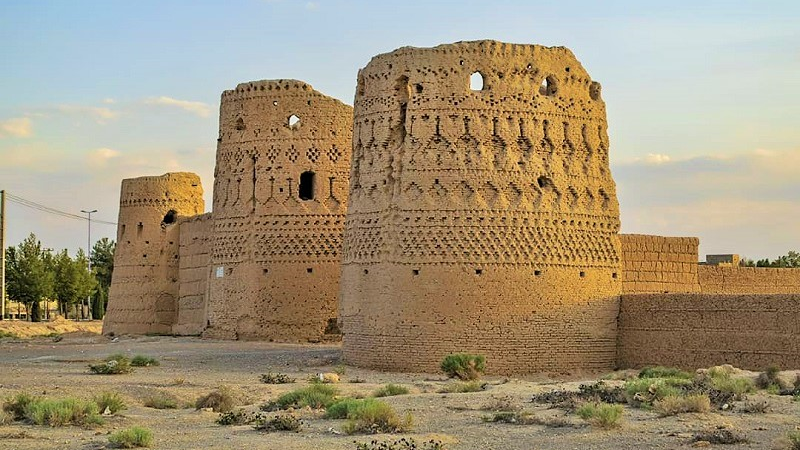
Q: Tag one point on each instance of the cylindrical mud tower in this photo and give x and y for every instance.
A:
(144, 287)
(280, 197)
(483, 217)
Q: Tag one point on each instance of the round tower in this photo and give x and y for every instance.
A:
(483, 217)
(280, 197)
(144, 285)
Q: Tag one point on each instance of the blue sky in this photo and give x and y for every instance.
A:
(703, 98)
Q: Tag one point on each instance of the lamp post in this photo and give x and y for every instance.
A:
(89, 256)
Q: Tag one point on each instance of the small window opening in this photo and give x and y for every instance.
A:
(309, 270)
(478, 271)
(240, 124)
(476, 81)
(537, 272)
(306, 186)
(543, 182)
(123, 230)
(583, 274)
(170, 217)
(614, 275)
(418, 87)
(139, 229)
(294, 122)
(266, 271)
(415, 272)
(274, 103)
(366, 271)
(548, 86)
(147, 242)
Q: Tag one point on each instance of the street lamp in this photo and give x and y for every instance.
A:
(89, 256)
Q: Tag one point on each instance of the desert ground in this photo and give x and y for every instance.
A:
(56, 366)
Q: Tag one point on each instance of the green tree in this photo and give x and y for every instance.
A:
(103, 267)
(791, 259)
(29, 279)
(66, 282)
(86, 282)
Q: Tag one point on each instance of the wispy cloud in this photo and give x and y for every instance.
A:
(16, 127)
(99, 114)
(100, 157)
(198, 108)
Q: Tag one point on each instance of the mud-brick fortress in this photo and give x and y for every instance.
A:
(465, 204)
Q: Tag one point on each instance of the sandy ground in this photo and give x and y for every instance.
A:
(58, 325)
(191, 367)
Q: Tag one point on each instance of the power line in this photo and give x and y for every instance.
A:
(46, 209)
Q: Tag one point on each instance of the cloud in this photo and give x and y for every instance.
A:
(109, 101)
(16, 127)
(198, 108)
(99, 114)
(100, 157)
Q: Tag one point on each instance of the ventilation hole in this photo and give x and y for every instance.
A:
(543, 182)
(240, 124)
(170, 217)
(144, 256)
(275, 103)
(614, 275)
(306, 186)
(147, 242)
(123, 230)
(583, 274)
(309, 270)
(415, 272)
(461, 63)
(529, 66)
(476, 81)
(294, 122)
(537, 272)
(478, 271)
(418, 87)
(266, 271)
(566, 69)
(366, 271)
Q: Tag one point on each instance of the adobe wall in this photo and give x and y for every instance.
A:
(481, 221)
(144, 286)
(659, 264)
(194, 271)
(276, 240)
(748, 280)
(750, 331)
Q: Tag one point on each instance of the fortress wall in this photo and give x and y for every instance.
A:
(480, 220)
(659, 264)
(748, 280)
(695, 330)
(280, 197)
(144, 286)
(194, 271)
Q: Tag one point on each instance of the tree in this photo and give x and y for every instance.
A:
(103, 268)
(28, 279)
(791, 259)
(86, 283)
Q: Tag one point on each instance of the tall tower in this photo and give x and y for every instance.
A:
(482, 216)
(280, 197)
(144, 287)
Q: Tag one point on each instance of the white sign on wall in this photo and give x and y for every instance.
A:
(220, 272)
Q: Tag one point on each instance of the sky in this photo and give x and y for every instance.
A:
(703, 97)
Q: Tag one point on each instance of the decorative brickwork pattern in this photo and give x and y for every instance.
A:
(481, 218)
(280, 197)
(144, 287)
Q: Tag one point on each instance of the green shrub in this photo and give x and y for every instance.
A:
(737, 386)
(461, 387)
(133, 437)
(648, 390)
(276, 378)
(401, 444)
(390, 390)
(794, 439)
(374, 416)
(672, 405)
(109, 403)
(283, 422)
(601, 415)
(17, 405)
(220, 400)
(113, 365)
(7, 334)
(316, 396)
(341, 409)
(664, 372)
(62, 412)
(161, 400)
(144, 361)
(464, 366)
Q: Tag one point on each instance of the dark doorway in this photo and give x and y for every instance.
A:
(307, 186)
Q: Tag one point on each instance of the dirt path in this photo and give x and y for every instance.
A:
(192, 367)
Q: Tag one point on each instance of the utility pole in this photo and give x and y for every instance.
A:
(89, 256)
(3, 256)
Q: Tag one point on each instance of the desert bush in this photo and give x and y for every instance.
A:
(502, 404)
(724, 382)
(283, 422)
(461, 387)
(16, 405)
(390, 390)
(238, 417)
(794, 439)
(144, 361)
(316, 396)
(5, 417)
(464, 366)
(672, 405)
(7, 334)
(601, 415)
(357, 380)
(109, 403)
(62, 412)
(374, 416)
(402, 444)
(341, 409)
(161, 400)
(113, 365)
(720, 436)
(133, 437)
(648, 390)
(664, 372)
(522, 418)
(340, 370)
(221, 400)
(755, 407)
(276, 378)
(600, 392)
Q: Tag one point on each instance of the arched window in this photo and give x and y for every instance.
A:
(306, 186)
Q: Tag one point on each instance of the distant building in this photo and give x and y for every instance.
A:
(723, 260)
